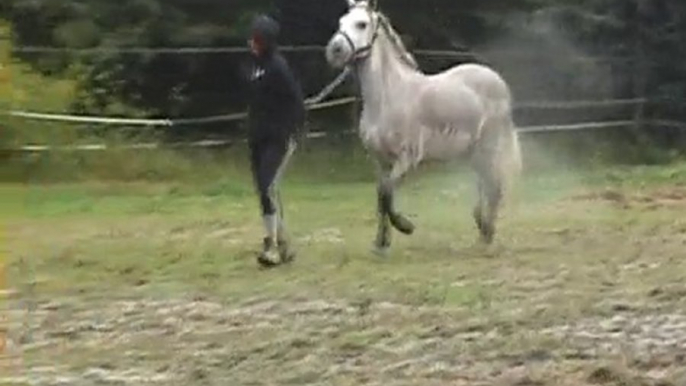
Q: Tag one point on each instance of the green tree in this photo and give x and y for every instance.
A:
(191, 85)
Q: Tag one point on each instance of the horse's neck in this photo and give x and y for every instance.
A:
(382, 76)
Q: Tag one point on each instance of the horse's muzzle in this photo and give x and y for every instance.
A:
(339, 51)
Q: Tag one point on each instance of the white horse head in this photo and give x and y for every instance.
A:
(358, 29)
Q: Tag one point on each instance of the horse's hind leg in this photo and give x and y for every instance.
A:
(490, 186)
(480, 206)
(488, 207)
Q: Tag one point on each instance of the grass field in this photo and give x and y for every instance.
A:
(147, 283)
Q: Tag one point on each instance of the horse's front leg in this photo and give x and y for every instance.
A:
(387, 193)
(383, 234)
(389, 179)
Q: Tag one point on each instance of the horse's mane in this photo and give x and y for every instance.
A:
(397, 42)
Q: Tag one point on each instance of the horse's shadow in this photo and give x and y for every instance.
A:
(481, 250)
(477, 250)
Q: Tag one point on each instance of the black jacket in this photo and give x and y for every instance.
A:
(277, 110)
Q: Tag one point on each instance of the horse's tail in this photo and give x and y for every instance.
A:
(514, 151)
(510, 154)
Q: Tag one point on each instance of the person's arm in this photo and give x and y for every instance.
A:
(292, 94)
(245, 70)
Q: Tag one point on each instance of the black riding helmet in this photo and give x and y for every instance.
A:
(265, 32)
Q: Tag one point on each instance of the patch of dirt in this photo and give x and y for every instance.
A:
(666, 197)
(324, 236)
(649, 339)
(317, 342)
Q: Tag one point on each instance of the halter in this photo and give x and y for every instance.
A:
(361, 53)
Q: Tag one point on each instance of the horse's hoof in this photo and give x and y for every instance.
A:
(482, 249)
(286, 254)
(487, 234)
(487, 238)
(402, 224)
(269, 257)
(287, 257)
(267, 261)
(380, 251)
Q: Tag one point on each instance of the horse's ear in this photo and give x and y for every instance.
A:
(374, 4)
(351, 3)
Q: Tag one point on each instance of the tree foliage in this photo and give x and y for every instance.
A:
(175, 85)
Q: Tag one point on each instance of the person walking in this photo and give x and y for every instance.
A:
(276, 115)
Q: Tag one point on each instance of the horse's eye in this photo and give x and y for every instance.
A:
(361, 25)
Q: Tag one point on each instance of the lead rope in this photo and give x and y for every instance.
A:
(326, 91)
(330, 88)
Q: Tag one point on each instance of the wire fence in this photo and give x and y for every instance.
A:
(216, 143)
(97, 120)
(314, 103)
(154, 50)
(163, 122)
(455, 54)
(168, 122)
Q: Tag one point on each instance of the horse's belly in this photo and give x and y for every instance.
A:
(439, 146)
(386, 145)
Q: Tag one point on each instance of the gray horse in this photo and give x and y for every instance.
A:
(409, 117)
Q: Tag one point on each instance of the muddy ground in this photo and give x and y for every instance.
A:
(588, 288)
